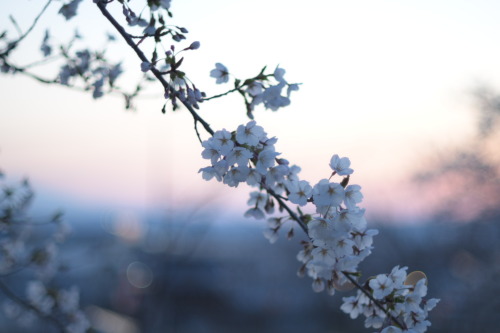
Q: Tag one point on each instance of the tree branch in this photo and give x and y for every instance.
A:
(13, 45)
(376, 302)
(102, 7)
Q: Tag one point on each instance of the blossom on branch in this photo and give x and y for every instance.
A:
(220, 73)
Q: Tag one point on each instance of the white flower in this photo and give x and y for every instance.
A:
(330, 288)
(265, 160)
(343, 247)
(352, 306)
(257, 199)
(223, 142)
(240, 156)
(250, 134)
(304, 256)
(430, 304)
(318, 285)
(382, 285)
(365, 239)
(274, 222)
(220, 73)
(255, 88)
(412, 302)
(319, 269)
(294, 173)
(354, 217)
(272, 97)
(341, 165)
(300, 192)
(271, 235)
(254, 212)
(325, 255)
(209, 173)
(211, 151)
(398, 276)
(146, 66)
(254, 177)
(375, 319)
(276, 175)
(38, 296)
(278, 74)
(218, 170)
(325, 233)
(420, 287)
(236, 175)
(353, 196)
(328, 194)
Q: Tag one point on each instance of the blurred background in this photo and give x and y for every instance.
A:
(409, 92)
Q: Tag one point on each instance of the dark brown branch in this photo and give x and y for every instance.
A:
(102, 7)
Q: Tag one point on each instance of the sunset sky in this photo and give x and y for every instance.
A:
(386, 83)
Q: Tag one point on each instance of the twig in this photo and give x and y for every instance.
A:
(197, 132)
(13, 45)
(102, 7)
(223, 94)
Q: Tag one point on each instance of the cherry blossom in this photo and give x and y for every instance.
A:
(220, 73)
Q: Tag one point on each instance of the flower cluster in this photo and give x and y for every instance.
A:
(338, 238)
(92, 68)
(232, 156)
(259, 89)
(401, 296)
(20, 252)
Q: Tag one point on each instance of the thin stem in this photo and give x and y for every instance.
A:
(29, 74)
(14, 22)
(197, 132)
(14, 44)
(223, 94)
(102, 7)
